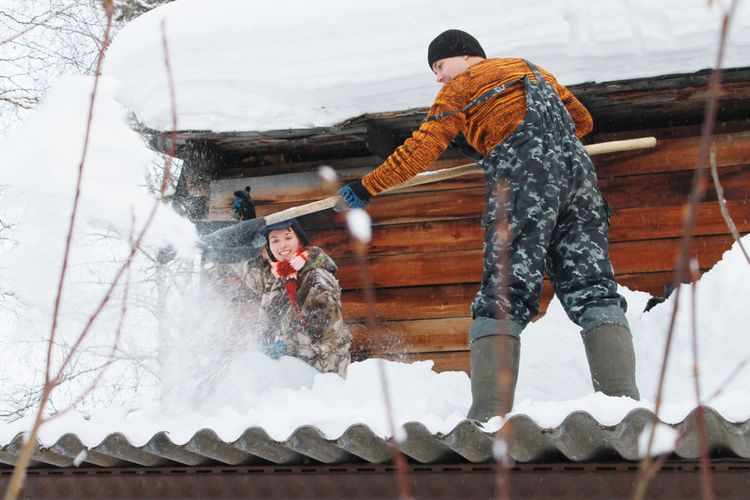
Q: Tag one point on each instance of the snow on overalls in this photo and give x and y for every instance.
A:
(558, 221)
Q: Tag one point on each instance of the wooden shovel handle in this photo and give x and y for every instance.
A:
(449, 173)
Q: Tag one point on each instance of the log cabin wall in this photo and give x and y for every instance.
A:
(425, 256)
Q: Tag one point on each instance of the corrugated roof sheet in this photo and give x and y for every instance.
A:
(579, 438)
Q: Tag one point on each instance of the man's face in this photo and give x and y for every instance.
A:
(448, 68)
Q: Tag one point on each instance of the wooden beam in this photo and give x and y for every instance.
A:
(442, 361)
(465, 266)
(674, 154)
(672, 188)
(416, 302)
(414, 336)
(631, 224)
(667, 100)
(646, 223)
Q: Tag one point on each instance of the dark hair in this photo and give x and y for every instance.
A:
(294, 225)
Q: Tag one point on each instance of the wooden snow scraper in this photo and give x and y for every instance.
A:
(244, 240)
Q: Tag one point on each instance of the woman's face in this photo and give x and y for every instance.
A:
(283, 243)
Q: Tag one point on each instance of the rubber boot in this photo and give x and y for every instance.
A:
(493, 358)
(609, 349)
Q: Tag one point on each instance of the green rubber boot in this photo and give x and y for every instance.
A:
(609, 349)
(492, 387)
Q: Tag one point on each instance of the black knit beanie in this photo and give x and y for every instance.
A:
(452, 43)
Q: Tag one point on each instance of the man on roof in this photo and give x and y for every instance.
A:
(542, 188)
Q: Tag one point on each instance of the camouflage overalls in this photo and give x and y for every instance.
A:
(558, 220)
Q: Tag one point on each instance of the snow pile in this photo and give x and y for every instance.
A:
(40, 166)
(248, 389)
(241, 65)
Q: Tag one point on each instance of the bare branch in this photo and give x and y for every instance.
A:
(21, 100)
(41, 22)
(19, 472)
(173, 105)
(723, 204)
(115, 344)
(648, 468)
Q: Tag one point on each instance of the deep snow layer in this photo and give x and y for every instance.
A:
(242, 65)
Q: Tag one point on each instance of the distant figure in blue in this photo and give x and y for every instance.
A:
(243, 207)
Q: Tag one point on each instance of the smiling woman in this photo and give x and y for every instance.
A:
(300, 298)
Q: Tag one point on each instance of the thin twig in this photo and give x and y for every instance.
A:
(77, 196)
(110, 359)
(36, 24)
(723, 204)
(648, 469)
(360, 252)
(700, 427)
(741, 366)
(19, 472)
(173, 105)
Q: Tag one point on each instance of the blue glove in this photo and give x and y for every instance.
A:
(355, 195)
(275, 350)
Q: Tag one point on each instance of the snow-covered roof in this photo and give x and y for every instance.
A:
(241, 65)
(466, 442)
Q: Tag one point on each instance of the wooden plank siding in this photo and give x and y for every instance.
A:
(425, 256)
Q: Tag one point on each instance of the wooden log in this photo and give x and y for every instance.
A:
(668, 132)
(441, 341)
(464, 266)
(646, 223)
(413, 336)
(416, 302)
(442, 361)
(627, 225)
(450, 301)
(660, 255)
(672, 188)
(663, 100)
(674, 154)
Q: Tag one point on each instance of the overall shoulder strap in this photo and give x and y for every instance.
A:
(490, 93)
(535, 71)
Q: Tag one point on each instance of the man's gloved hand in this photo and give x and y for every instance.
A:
(275, 350)
(354, 195)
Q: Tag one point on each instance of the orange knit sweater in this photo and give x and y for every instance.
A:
(485, 125)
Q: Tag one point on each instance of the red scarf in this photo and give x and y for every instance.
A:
(284, 271)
